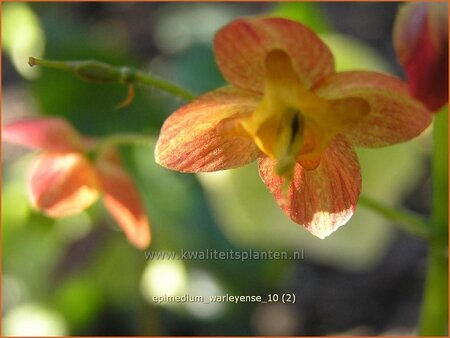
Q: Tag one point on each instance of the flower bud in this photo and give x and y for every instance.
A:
(99, 72)
(421, 43)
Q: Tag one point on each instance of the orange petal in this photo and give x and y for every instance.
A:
(62, 184)
(421, 42)
(241, 48)
(122, 199)
(50, 133)
(394, 115)
(323, 199)
(204, 135)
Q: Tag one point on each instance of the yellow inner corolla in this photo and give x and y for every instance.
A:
(294, 125)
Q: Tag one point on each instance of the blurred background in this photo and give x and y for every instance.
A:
(80, 276)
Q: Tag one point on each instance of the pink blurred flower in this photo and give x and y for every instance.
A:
(63, 181)
(421, 42)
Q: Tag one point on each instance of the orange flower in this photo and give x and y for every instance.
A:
(290, 110)
(421, 43)
(63, 181)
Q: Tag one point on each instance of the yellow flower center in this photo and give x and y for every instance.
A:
(294, 125)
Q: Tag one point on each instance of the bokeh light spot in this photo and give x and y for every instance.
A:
(22, 37)
(33, 320)
(163, 278)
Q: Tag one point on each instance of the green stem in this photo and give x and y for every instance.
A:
(434, 312)
(406, 221)
(49, 64)
(164, 85)
(440, 172)
(100, 72)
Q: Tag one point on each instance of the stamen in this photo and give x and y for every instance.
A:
(288, 144)
(295, 125)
